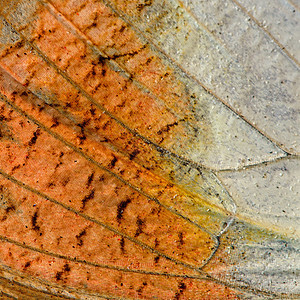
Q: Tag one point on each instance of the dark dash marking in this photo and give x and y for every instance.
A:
(181, 287)
(134, 154)
(80, 236)
(55, 122)
(90, 179)
(28, 263)
(180, 236)
(34, 138)
(90, 196)
(144, 4)
(140, 224)
(167, 128)
(122, 28)
(113, 162)
(122, 244)
(67, 268)
(140, 289)
(10, 208)
(58, 276)
(34, 222)
(120, 210)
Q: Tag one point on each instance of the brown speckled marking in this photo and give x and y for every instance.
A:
(87, 204)
(121, 207)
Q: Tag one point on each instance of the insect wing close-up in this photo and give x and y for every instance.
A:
(149, 149)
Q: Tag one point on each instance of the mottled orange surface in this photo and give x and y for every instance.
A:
(86, 110)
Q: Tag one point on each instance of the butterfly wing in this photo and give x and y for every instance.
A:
(118, 152)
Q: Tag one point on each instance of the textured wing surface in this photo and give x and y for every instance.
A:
(149, 149)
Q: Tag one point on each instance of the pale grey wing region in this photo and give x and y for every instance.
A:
(271, 264)
(244, 58)
(268, 194)
(246, 70)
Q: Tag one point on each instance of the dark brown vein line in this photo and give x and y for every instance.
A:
(32, 288)
(7, 295)
(206, 277)
(269, 34)
(159, 149)
(100, 223)
(97, 265)
(263, 163)
(189, 75)
(27, 287)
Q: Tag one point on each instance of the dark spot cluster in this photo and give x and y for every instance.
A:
(5, 131)
(167, 128)
(180, 238)
(181, 289)
(27, 265)
(133, 154)
(6, 203)
(65, 271)
(156, 259)
(141, 288)
(143, 4)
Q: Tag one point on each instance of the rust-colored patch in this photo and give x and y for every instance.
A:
(89, 112)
